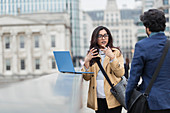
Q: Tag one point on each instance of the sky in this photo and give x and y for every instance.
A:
(101, 4)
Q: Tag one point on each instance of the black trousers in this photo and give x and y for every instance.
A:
(158, 111)
(103, 108)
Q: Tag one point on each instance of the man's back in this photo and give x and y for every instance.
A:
(146, 58)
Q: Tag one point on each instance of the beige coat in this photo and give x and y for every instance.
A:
(114, 70)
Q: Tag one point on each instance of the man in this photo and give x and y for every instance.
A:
(146, 57)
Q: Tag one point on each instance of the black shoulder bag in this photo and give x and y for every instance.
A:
(119, 89)
(138, 101)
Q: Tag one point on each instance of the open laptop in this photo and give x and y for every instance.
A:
(64, 62)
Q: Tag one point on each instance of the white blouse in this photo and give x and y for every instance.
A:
(100, 79)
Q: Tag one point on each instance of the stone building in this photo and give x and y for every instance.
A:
(72, 7)
(27, 43)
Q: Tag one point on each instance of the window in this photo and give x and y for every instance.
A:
(37, 64)
(84, 17)
(8, 64)
(165, 2)
(35, 5)
(107, 15)
(21, 41)
(167, 19)
(107, 19)
(166, 11)
(53, 41)
(40, 6)
(7, 42)
(9, 7)
(117, 41)
(84, 33)
(84, 29)
(85, 43)
(22, 64)
(36, 41)
(117, 36)
(53, 64)
(167, 29)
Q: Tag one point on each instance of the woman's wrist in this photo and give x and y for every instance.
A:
(112, 57)
(86, 60)
(86, 64)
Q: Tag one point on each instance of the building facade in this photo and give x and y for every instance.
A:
(147, 4)
(72, 7)
(86, 32)
(27, 43)
(164, 5)
(123, 29)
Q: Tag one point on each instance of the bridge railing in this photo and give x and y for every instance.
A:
(55, 93)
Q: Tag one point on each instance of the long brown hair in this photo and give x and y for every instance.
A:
(94, 39)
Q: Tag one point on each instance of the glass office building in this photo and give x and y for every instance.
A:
(15, 7)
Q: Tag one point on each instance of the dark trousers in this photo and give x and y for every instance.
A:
(158, 111)
(102, 107)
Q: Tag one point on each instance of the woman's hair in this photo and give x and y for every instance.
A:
(94, 37)
(154, 19)
(94, 40)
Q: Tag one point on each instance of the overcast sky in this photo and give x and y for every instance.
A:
(101, 4)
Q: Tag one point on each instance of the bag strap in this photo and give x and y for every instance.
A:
(167, 45)
(104, 73)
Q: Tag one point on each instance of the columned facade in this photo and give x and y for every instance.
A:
(72, 7)
(27, 45)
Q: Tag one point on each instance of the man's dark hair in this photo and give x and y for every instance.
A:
(154, 19)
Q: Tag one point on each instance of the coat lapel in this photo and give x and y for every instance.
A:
(106, 61)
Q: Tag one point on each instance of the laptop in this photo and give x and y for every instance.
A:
(64, 62)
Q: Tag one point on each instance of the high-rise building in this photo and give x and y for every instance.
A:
(16, 7)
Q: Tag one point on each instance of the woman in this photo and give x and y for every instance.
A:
(99, 96)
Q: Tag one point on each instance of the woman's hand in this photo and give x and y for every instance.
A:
(108, 52)
(92, 54)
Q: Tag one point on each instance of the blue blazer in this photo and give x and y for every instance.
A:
(146, 57)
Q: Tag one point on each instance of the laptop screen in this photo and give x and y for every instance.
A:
(64, 61)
